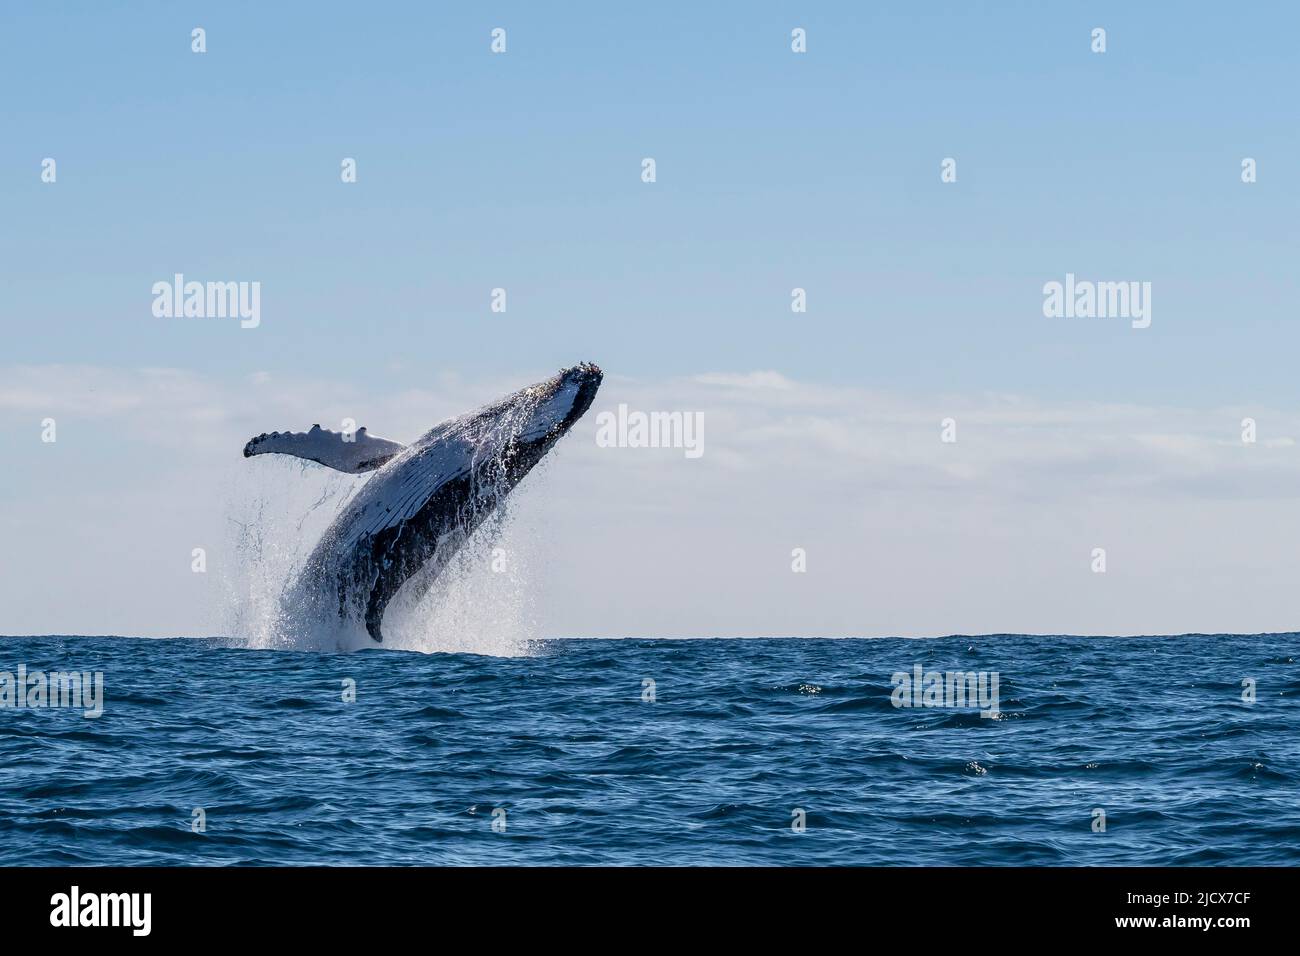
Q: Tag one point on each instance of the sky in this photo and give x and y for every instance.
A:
(774, 170)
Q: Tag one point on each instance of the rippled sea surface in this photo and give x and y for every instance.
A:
(743, 740)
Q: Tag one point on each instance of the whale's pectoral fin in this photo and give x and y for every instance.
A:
(352, 452)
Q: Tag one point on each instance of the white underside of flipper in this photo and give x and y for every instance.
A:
(353, 453)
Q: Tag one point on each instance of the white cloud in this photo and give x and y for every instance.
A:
(765, 380)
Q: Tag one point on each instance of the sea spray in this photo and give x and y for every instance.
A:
(479, 603)
(479, 599)
(277, 510)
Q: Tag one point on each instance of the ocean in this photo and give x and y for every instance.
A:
(1099, 751)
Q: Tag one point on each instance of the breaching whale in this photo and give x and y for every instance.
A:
(424, 499)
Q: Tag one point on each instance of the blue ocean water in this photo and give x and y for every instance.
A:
(744, 739)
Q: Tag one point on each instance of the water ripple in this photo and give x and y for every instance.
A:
(749, 752)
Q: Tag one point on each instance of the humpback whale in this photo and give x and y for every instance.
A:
(424, 499)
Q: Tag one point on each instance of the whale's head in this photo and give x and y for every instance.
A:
(521, 428)
(557, 403)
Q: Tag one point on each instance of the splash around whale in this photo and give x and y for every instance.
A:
(422, 502)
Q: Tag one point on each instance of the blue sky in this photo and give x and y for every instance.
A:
(775, 171)
(522, 171)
